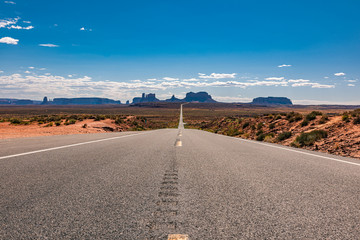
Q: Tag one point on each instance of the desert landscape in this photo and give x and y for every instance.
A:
(329, 129)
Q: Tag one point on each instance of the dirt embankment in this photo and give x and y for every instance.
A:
(75, 124)
(338, 135)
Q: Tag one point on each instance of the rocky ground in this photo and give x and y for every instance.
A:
(75, 124)
(339, 134)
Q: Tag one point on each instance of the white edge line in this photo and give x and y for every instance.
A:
(293, 150)
(288, 149)
(67, 146)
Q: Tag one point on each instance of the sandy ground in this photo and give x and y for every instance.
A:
(8, 130)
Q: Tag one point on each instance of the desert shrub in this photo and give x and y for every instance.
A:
(260, 137)
(278, 117)
(15, 121)
(345, 117)
(284, 135)
(311, 116)
(259, 126)
(233, 131)
(356, 120)
(99, 117)
(308, 139)
(57, 123)
(119, 121)
(50, 124)
(253, 127)
(272, 126)
(72, 121)
(304, 123)
(245, 125)
(324, 119)
(259, 132)
(84, 126)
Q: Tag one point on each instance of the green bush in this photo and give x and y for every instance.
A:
(57, 123)
(259, 126)
(304, 123)
(84, 126)
(324, 119)
(284, 135)
(246, 125)
(261, 137)
(308, 139)
(15, 121)
(259, 132)
(346, 118)
(272, 126)
(278, 117)
(311, 116)
(356, 120)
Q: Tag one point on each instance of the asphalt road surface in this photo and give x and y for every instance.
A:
(146, 185)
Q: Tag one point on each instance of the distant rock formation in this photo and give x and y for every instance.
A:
(173, 99)
(146, 98)
(272, 101)
(83, 101)
(202, 97)
(10, 101)
(45, 101)
(127, 102)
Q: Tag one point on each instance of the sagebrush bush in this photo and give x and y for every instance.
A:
(356, 120)
(246, 125)
(308, 139)
(284, 135)
(304, 123)
(346, 118)
(311, 116)
(272, 126)
(261, 137)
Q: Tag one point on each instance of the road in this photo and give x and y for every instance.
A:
(145, 185)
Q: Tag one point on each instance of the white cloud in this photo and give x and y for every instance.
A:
(9, 40)
(275, 78)
(11, 24)
(42, 69)
(27, 72)
(352, 81)
(284, 65)
(10, 2)
(217, 75)
(170, 79)
(85, 29)
(8, 22)
(298, 81)
(231, 99)
(326, 77)
(351, 85)
(312, 85)
(1, 71)
(20, 27)
(26, 22)
(339, 74)
(70, 76)
(31, 67)
(48, 45)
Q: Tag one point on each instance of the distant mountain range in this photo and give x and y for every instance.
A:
(200, 97)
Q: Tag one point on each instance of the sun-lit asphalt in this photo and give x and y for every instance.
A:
(144, 187)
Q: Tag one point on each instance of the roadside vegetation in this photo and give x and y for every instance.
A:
(336, 133)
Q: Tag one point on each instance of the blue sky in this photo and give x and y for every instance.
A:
(308, 51)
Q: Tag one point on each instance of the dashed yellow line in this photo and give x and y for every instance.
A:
(178, 237)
